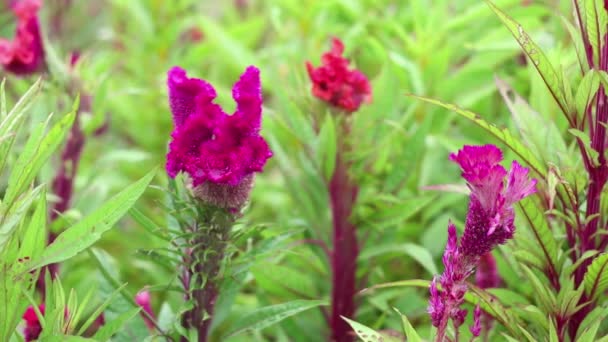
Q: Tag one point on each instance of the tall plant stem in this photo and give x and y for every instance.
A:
(345, 248)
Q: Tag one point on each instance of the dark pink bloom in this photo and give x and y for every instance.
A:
(336, 83)
(143, 300)
(24, 54)
(490, 218)
(489, 222)
(209, 145)
(32, 325)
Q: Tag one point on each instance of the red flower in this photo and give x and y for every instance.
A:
(32, 324)
(24, 54)
(335, 83)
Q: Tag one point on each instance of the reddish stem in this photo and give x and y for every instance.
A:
(343, 194)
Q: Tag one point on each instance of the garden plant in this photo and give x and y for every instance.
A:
(340, 170)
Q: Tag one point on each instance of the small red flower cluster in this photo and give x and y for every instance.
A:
(335, 83)
(24, 54)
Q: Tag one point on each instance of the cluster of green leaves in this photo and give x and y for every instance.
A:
(23, 217)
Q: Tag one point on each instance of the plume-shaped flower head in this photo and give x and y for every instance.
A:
(32, 324)
(494, 191)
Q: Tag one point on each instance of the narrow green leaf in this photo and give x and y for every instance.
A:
(112, 327)
(585, 93)
(408, 329)
(35, 155)
(596, 277)
(12, 122)
(417, 252)
(86, 232)
(326, 149)
(501, 134)
(551, 78)
(538, 225)
(367, 334)
(269, 315)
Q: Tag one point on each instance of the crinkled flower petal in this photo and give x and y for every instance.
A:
(336, 83)
(183, 94)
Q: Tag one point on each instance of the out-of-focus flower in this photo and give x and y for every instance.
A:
(490, 219)
(143, 300)
(487, 275)
(219, 152)
(336, 83)
(24, 54)
(32, 325)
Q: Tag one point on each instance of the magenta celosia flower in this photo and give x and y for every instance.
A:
(336, 83)
(24, 54)
(476, 327)
(490, 222)
(219, 151)
(490, 217)
(143, 300)
(32, 325)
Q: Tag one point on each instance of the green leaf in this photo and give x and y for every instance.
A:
(86, 232)
(501, 134)
(551, 78)
(326, 149)
(596, 277)
(408, 329)
(111, 328)
(367, 334)
(584, 138)
(36, 153)
(269, 315)
(548, 144)
(585, 93)
(11, 123)
(539, 227)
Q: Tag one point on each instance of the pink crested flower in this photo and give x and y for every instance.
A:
(336, 83)
(32, 324)
(490, 222)
(24, 54)
(494, 191)
(219, 152)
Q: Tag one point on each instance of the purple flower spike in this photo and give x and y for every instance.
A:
(490, 217)
(218, 151)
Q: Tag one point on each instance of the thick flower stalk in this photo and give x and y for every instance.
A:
(220, 154)
(24, 54)
(489, 222)
(345, 89)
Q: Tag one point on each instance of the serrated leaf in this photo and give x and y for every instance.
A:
(596, 277)
(269, 315)
(539, 226)
(501, 134)
(86, 232)
(552, 79)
